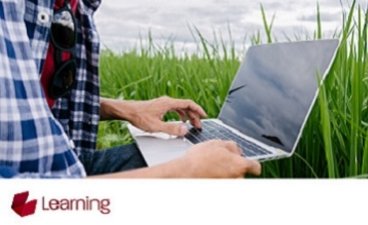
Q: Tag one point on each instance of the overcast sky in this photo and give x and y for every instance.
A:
(121, 22)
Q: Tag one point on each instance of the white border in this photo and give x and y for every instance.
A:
(183, 202)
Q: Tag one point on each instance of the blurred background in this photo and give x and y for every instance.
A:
(122, 22)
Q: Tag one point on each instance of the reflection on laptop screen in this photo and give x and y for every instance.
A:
(274, 89)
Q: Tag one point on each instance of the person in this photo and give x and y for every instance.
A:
(50, 104)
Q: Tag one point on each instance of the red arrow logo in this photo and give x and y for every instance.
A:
(20, 205)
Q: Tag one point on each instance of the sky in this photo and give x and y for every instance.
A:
(121, 23)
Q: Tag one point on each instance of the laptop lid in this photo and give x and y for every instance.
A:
(275, 88)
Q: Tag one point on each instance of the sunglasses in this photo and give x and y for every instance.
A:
(64, 38)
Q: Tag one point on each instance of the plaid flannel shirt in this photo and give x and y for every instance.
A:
(35, 142)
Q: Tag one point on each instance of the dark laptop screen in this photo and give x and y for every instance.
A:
(274, 89)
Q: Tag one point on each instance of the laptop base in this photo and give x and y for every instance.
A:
(158, 148)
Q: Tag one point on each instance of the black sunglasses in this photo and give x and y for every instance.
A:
(64, 38)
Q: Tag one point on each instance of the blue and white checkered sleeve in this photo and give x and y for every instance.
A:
(9, 172)
(32, 143)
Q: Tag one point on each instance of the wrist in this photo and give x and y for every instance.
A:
(184, 167)
(177, 168)
(112, 109)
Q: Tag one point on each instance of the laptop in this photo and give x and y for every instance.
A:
(266, 108)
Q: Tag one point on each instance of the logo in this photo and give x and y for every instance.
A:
(20, 205)
(24, 207)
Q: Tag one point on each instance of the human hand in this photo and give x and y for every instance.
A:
(213, 159)
(148, 115)
(219, 159)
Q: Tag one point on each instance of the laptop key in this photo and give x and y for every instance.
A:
(249, 153)
(192, 138)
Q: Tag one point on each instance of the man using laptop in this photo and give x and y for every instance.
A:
(48, 129)
(267, 106)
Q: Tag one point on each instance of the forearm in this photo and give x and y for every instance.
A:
(111, 109)
(178, 168)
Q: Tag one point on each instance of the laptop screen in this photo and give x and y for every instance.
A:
(274, 90)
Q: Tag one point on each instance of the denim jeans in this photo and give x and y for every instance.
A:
(121, 158)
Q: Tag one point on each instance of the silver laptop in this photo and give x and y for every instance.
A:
(266, 107)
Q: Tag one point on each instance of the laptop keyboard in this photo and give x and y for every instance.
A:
(211, 130)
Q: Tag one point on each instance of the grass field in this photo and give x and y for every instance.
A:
(334, 143)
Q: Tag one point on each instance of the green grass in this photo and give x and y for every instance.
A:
(334, 142)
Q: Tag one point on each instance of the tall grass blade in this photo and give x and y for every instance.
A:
(319, 23)
(326, 131)
(267, 27)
